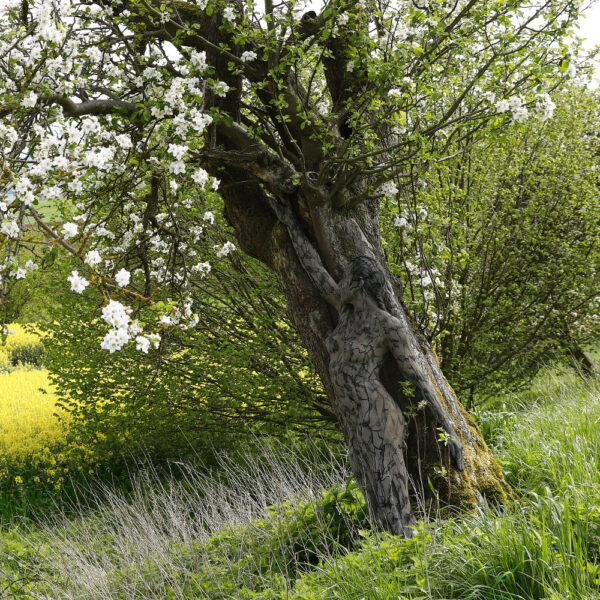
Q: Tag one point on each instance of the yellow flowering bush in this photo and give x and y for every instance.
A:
(33, 427)
(30, 431)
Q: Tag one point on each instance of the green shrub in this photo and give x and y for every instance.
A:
(295, 537)
(31, 354)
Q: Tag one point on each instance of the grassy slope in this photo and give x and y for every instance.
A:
(208, 539)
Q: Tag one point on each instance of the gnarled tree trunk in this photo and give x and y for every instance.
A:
(397, 452)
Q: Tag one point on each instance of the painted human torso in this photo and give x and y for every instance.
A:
(358, 345)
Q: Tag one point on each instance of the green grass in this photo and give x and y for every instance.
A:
(205, 537)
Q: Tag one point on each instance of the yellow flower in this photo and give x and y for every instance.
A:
(29, 425)
(18, 479)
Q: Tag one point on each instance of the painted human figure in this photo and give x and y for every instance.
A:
(365, 335)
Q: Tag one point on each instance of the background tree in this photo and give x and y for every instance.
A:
(110, 107)
(498, 249)
(241, 371)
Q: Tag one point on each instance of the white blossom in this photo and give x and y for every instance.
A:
(502, 106)
(198, 59)
(177, 150)
(124, 141)
(69, 230)
(78, 283)
(30, 100)
(142, 343)
(229, 13)
(202, 267)
(93, 258)
(10, 228)
(520, 112)
(115, 339)
(135, 327)
(220, 88)
(123, 277)
(115, 314)
(490, 97)
(176, 167)
(225, 250)
(544, 107)
(248, 55)
(200, 176)
(388, 189)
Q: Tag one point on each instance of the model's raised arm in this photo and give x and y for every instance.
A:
(307, 255)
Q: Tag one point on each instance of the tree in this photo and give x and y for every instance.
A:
(108, 106)
(498, 247)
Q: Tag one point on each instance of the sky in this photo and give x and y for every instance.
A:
(590, 25)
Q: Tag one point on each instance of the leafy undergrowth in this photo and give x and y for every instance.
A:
(202, 536)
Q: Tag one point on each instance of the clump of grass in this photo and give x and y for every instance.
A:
(545, 546)
(235, 530)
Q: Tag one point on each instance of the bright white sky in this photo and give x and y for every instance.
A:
(590, 25)
(589, 29)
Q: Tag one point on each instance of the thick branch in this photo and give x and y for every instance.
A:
(91, 107)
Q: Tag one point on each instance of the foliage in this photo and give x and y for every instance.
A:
(213, 539)
(498, 248)
(238, 372)
(119, 121)
(498, 253)
(30, 355)
(127, 146)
